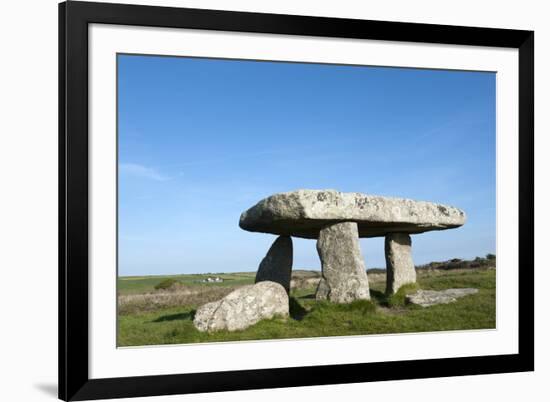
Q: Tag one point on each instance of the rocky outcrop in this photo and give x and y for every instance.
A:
(344, 277)
(243, 307)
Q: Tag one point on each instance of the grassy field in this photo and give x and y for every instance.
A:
(152, 317)
(143, 284)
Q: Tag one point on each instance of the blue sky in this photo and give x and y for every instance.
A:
(201, 140)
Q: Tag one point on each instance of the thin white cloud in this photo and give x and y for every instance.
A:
(137, 170)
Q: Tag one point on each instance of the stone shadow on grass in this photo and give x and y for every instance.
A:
(173, 317)
(296, 310)
(379, 297)
(309, 296)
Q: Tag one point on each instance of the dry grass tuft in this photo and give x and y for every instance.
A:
(304, 283)
(175, 296)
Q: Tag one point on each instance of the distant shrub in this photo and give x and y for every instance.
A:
(455, 263)
(376, 270)
(166, 284)
(491, 257)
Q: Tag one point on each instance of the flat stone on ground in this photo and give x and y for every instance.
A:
(426, 298)
(303, 213)
(243, 307)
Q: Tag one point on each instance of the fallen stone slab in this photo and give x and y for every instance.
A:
(243, 307)
(303, 213)
(426, 298)
(277, 264)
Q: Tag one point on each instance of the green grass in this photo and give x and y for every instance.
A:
(309, 318)
(398, 299)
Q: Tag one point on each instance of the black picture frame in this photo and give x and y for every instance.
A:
(74, 381)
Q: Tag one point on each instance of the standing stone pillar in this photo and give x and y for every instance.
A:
(399, 263)
(344, 277)
(277, 264)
